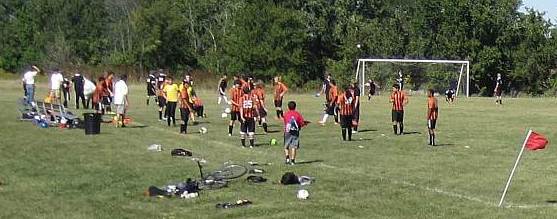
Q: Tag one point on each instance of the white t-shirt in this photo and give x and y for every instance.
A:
(56, 81)
(29, 77)
(120, 92)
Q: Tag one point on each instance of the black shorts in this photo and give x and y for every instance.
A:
(261, 112)
(248, 126)
(235, 115)
(151, 92)
(106, 100)
(278, 103)
(397, 116)
(346, 121)
(431, 123)
(185, 114)
(330, 109)
(498, 92)
(162, 101)
(356, 114)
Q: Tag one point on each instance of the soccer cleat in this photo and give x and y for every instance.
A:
(287, 161)
(250, 146)
(229, 135)
(292, 162)
(354, 132)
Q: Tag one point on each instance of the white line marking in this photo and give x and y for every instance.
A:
(405, 183)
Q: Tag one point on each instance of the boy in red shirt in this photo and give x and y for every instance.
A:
(235, 95)
(293, 123)
(280, 90)
(346, 111)
(247, 114)
(432, 114)
(259, 93)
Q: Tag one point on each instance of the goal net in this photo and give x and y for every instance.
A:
(415, 75)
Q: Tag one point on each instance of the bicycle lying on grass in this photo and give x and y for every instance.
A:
(220, 177)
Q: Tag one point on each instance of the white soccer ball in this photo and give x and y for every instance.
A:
(203, 130)
(227, 110)
(303, 194)
(223, 115)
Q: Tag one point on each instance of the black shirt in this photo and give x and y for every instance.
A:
(78, 82)
(222, 85)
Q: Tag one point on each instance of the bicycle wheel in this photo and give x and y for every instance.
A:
(231, 171)
(211, 183)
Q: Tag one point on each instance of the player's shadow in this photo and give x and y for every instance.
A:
(309, 161)
(363, 139)
(412, 133)
(367, 130)
(551, 201)
(137, 126)
(273, 131)
(444, 145)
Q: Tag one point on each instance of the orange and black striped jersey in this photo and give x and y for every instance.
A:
(345, 105)
(432, 110)
(236, 94)
(260, 95)
(279, 89)
(398, 98)
(333, 94)
(184, 97)
(247, 106)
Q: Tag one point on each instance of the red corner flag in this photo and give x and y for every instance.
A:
(536, 142)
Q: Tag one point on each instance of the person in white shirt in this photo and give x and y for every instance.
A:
(29, 83)
(56, 80)
(121, 99)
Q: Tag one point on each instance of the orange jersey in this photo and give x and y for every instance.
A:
(432, 109)
(260, 95)
(333, 94)
(235, 95)
(398, 98)
(346, 105)
(248, 104)
(279, 89)
(184, 97)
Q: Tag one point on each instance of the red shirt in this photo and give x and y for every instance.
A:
(433, 112)
(260, 94)
(345, 104)
(279, 89)
(236, 94)
(297, 116)
(248, 104)
(398, 98)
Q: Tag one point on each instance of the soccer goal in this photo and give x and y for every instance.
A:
(462, 83)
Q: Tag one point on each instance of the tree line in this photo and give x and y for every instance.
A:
(300, 40)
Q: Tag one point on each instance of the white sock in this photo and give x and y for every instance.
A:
(325, 118)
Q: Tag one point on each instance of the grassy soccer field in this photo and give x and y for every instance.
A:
(54, 173)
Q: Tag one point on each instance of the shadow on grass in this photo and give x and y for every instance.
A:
(309, 161)
(367, 130)
(551, 201)
(137, 126)
(363, 139)
(273, 131)
(444, 145)
(412, 133)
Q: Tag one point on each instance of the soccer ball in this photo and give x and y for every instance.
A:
(223, 115)
(303, 194)
(273, 141)
(227, 110)
(203, 130)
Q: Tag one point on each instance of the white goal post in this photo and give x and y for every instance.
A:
(465, 68)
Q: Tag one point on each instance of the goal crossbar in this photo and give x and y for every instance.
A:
(465, 68)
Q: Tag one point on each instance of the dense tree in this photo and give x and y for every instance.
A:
(298, 39)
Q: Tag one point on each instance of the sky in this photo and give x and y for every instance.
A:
(547, 6)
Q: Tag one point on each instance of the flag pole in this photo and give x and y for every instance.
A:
(514, 168)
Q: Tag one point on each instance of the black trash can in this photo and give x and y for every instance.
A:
(92, 123)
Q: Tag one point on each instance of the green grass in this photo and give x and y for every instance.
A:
(53, 173)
